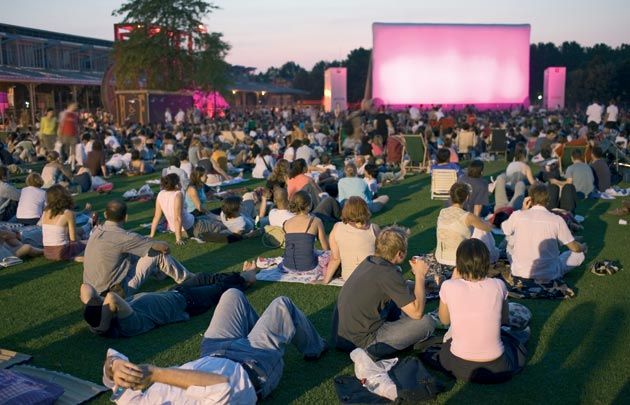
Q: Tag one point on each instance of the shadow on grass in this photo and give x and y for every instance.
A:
(22, 274)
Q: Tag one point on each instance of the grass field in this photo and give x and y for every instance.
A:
(579, 350)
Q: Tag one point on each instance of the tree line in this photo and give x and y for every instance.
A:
(592, 72)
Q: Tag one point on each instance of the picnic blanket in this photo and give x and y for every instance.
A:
(10, 358)
(306, 277)
(231, 182)
(76, 391)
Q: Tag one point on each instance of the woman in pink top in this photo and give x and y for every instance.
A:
(299, 180)
(475, 306)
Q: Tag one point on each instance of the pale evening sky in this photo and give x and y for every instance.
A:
(267, 33)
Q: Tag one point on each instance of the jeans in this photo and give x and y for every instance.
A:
(258, 343)
(399, 332)
(154, 263)
(501, 197)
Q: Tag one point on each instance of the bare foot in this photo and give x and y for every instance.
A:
(78, 259)
(249, 272)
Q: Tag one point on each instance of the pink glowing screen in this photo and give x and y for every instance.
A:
(451, 64)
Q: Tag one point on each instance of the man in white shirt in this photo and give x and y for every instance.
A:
(594, 113)
(241, 358)
(305, 152)
(168, 117)
(533, 234)
(611, 115)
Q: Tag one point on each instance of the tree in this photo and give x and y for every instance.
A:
(211, 70)
(169, 48)
(357, 63)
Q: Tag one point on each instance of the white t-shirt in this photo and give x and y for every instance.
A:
(277, 217)
(516, 171)
(186, 167)
(238, 390)
(80, 153)
(475, 309)
(31, 204)
(594, 113)
(533, 237)
(612, 112)
(261, 171)
(306, 153)
(414, 113)
(111, 142)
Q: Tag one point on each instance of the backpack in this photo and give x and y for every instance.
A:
(413, 383)
(273, 237)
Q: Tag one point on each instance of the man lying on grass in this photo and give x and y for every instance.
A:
(241, 358)
(114, 316)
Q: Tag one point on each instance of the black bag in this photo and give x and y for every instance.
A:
(413, 383)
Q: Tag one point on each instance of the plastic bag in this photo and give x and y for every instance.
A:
(374, 375)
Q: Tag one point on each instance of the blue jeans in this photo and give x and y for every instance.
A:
(237, 333)
(399, 332)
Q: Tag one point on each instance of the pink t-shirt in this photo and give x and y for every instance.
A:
(297, 183)
(475, 310)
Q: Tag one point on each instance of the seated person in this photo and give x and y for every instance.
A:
(196, 192)
(376, 310)
(174, 167)
(113, 316)
(475, 306)
(387, 176)
(60, 235)
(443, 157)
(118, 161)
(478, 198)
(533, 234)
(137, 166)
(241, 357)
(95, 160)
(214, 171)
(601, 171)
(517, 176)
(351, 185)
(53, 171)
(578, 184)
(351, 240)
(32, 201)
(234, 217)
(298, 180)
(455, 225)
(280, 213)
(170, 204)
(120, 261)
(301, 231)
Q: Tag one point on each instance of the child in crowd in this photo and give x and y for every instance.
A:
(233, 218)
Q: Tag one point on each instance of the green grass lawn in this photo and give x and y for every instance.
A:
(579, 350)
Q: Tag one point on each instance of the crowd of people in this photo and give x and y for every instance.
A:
(319, 171)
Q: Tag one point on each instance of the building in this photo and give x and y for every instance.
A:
(42, 69)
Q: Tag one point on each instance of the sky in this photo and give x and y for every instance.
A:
(266, 33)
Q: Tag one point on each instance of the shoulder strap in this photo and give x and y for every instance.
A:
(309, 223)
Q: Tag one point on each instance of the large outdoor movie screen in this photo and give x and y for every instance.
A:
(452, 64)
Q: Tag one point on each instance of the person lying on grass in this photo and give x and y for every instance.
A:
(241, 358)
(114, 316)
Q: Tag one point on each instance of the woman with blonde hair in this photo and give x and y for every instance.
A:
(351, 240)
(32, 201)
